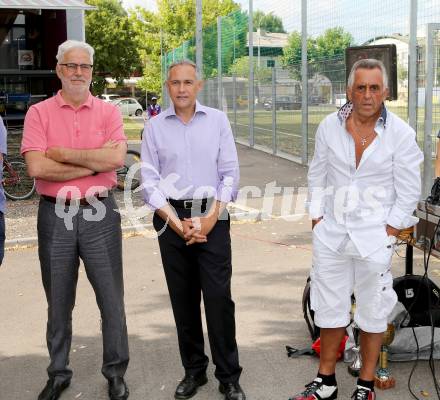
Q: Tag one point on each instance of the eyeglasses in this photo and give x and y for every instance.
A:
(72, 67)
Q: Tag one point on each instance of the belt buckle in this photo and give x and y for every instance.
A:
(187, 203)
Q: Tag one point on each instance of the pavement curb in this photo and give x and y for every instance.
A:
(32, 241)
(248, 216)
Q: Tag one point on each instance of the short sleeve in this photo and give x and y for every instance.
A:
(34, 134)
(3, 137)
(115, 126)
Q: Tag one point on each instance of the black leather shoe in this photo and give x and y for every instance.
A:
(187, 387)
(117, 388)
(53, 390)
(232, 391)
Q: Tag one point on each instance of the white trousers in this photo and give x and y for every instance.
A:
(336, 275)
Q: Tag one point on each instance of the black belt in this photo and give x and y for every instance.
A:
(190, 203)
(81, 202)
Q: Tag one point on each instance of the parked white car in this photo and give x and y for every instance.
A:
(108, 97)
(129, 106)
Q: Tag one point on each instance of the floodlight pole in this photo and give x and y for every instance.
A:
(304, 84)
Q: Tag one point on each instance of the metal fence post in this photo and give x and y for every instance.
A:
(234, 101)
(304, 84)
(219, 62)
(412, 67)
(429, 83)
(199, 39)
(274, 111)
(251, 100)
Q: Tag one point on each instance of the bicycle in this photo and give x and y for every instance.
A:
(17, 184)
(132, 157)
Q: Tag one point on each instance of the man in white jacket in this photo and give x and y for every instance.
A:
(364, 184)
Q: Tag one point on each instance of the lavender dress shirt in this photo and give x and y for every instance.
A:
(189, 161)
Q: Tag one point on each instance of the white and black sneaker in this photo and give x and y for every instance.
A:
(363, 393)
(316, 390)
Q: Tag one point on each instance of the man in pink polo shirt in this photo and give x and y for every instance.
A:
(72, 143)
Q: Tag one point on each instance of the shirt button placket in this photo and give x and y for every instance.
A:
(352, 166)
(75, 124)
(188, 153)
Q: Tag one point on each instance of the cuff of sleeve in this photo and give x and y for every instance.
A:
(400, 220)
(314, 210)
(24, 150)
(157, 200)
(225, 194)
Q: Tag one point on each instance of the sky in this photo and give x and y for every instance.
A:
(364, 20)
(148, 4)
(283, 8)
(151, 4)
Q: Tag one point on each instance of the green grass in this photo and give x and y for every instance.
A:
(132, 128)
(289, 138)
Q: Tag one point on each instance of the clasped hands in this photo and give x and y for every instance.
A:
(196, 229)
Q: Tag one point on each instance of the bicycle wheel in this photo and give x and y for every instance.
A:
(17, 184)
(132, 158)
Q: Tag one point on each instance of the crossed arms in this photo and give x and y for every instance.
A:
(59, 164)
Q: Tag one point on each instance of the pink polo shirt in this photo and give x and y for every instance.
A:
(53, 123)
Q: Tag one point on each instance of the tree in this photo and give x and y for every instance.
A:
(234, 29)
(328, 56)
(178, 17)
(175, 20)
(148, 37)
(325, 54)
(109, 31)
(268, 22)
(240, 68)
(291, 58)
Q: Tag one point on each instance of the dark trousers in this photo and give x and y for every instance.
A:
(206, 269)
(99, 245)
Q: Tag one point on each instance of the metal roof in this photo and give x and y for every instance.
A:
(45, 4)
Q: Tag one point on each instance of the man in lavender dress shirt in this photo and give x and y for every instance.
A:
(190, 172)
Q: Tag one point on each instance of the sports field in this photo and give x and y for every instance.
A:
(288, 126)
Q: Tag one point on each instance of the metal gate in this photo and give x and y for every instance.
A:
(431, 114)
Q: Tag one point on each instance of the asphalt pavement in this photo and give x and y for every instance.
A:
(271, 260)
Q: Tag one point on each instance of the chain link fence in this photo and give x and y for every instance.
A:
(273, 119)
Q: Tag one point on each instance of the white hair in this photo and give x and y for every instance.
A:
(368, 63)
(183, 62)
(68, 45)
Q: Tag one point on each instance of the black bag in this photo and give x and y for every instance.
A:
(309, 313)
(419, 295)
(434, 198)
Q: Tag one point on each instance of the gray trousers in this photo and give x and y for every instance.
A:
(99, 245)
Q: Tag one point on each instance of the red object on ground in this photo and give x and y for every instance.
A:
(317, 347)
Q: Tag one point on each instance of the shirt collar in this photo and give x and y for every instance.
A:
(346, 110)
(62, 103)
(171, 112)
